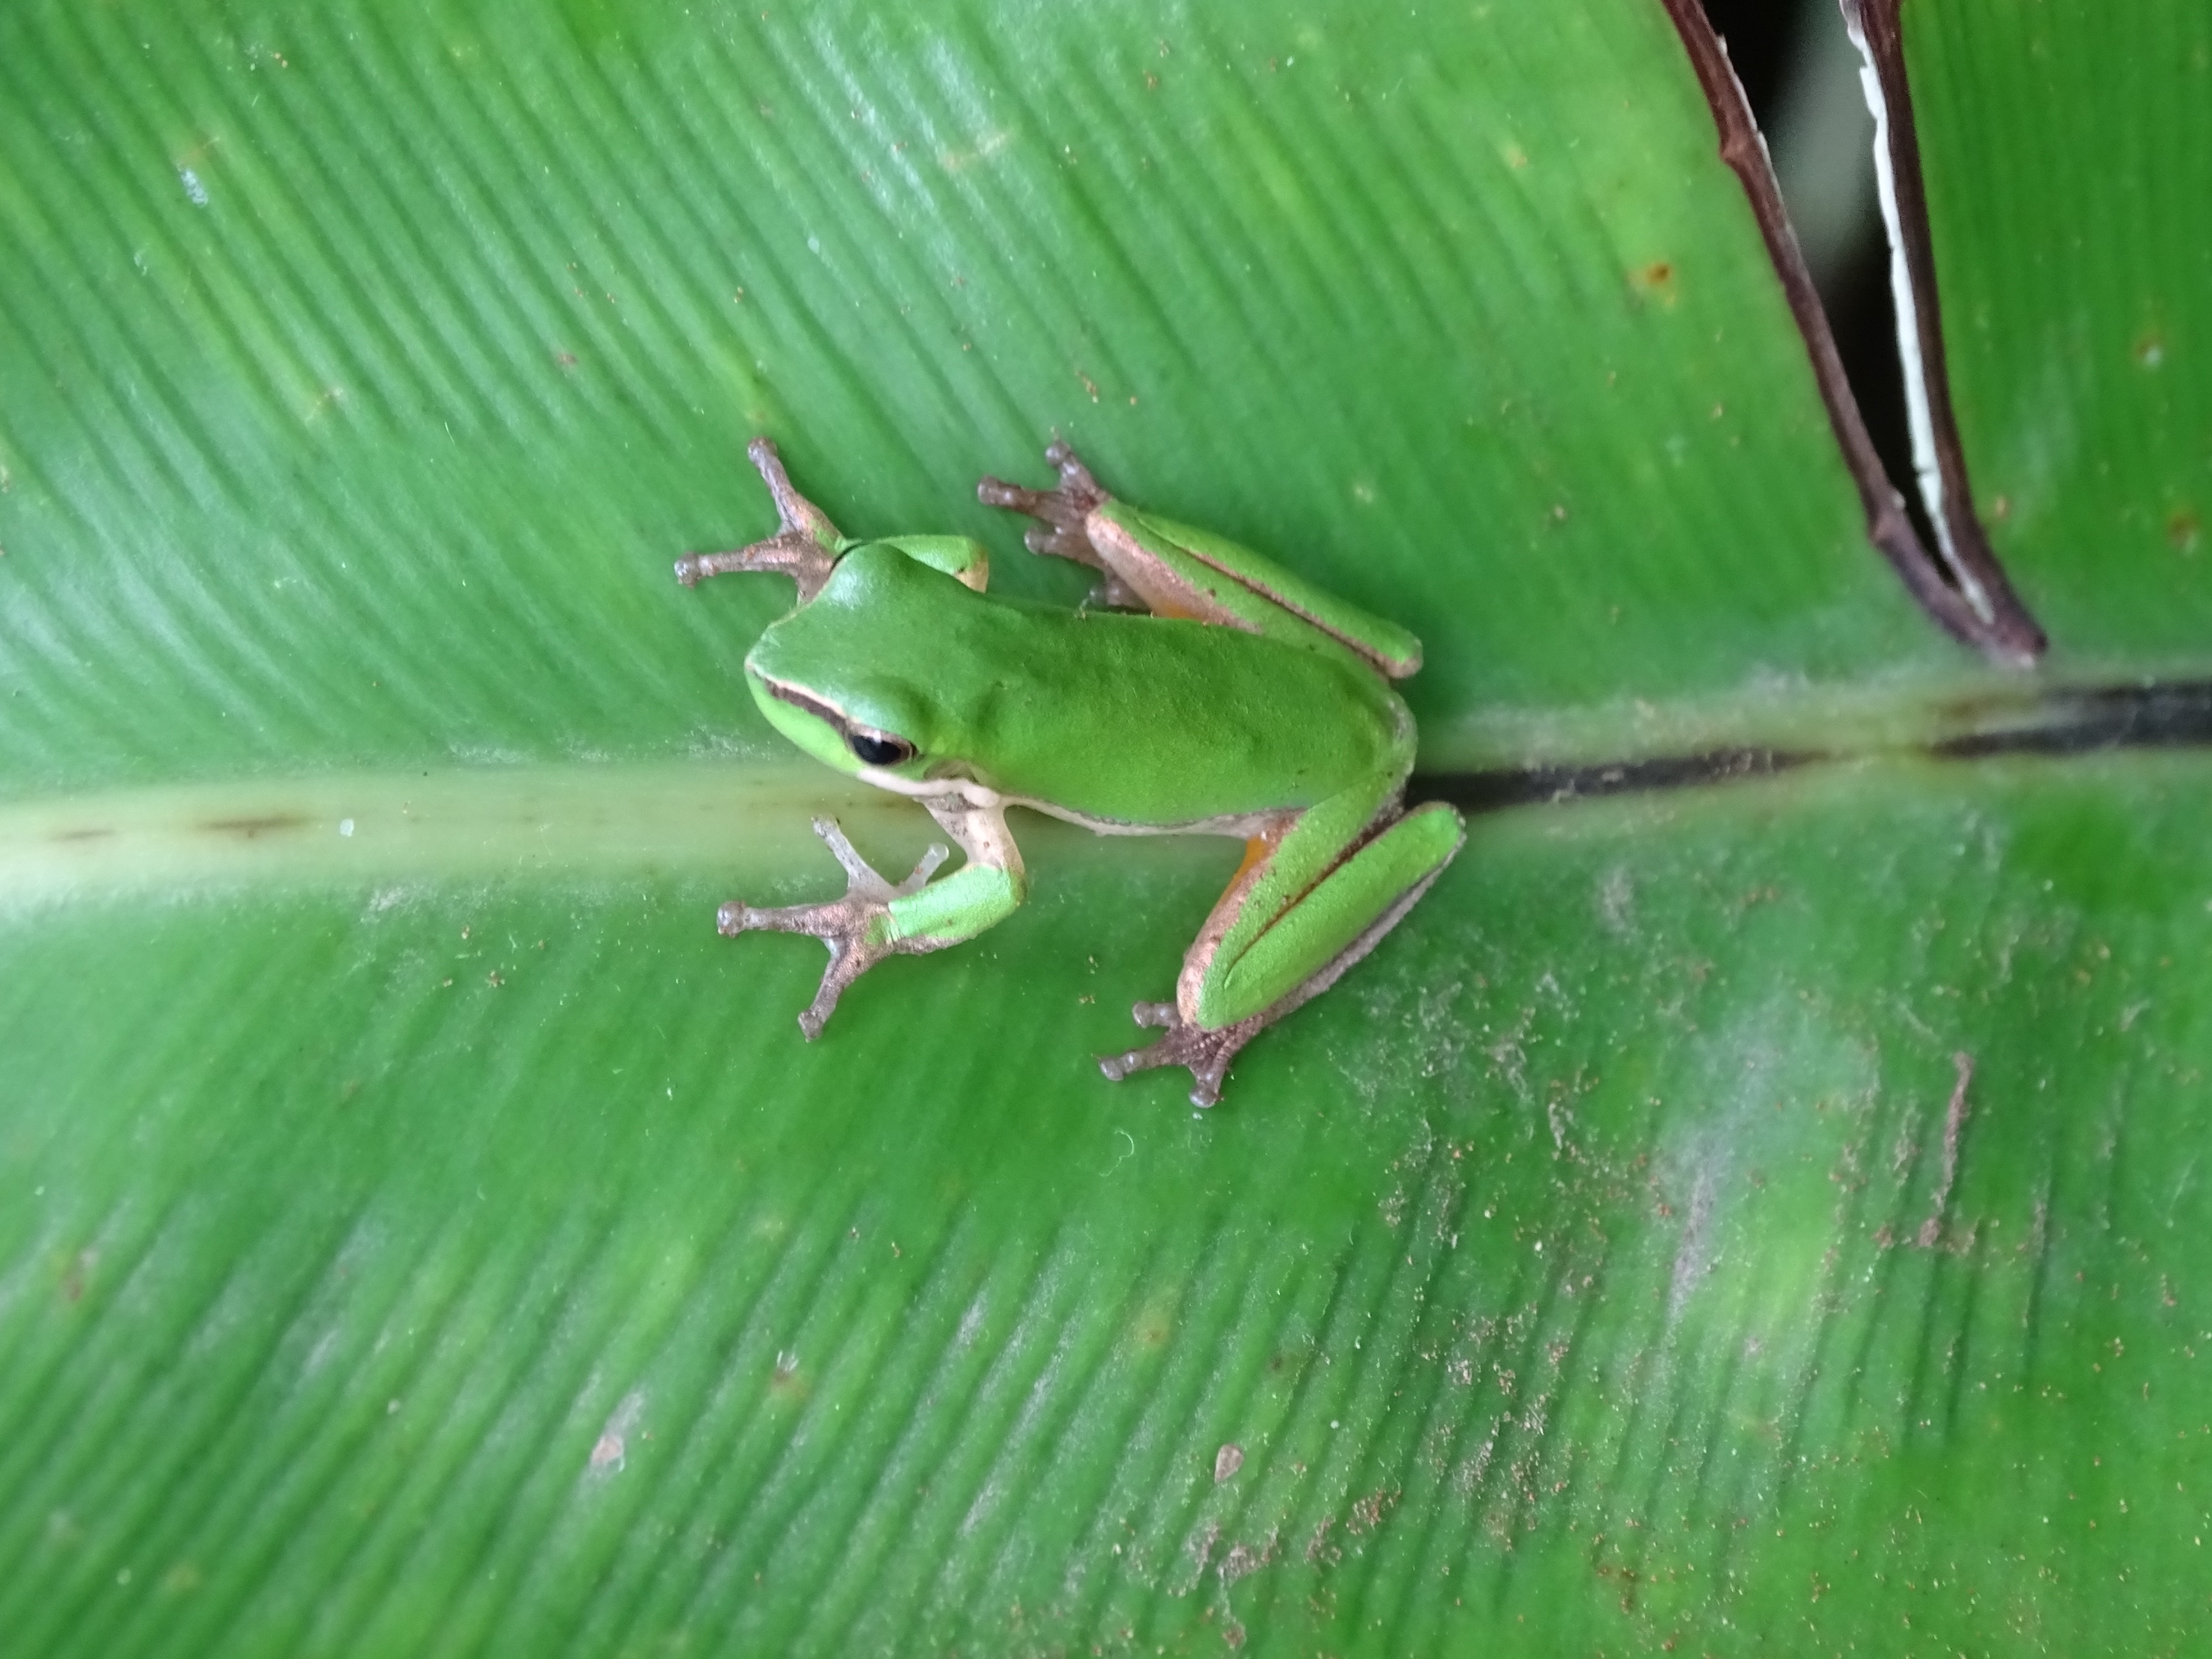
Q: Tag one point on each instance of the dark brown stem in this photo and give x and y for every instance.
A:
(1999, 627)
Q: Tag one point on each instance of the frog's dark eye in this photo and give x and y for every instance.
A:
(874, 749)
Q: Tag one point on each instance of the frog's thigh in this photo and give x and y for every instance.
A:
(1292, 919)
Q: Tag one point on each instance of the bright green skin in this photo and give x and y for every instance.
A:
(1269, 719)
(1136, 722)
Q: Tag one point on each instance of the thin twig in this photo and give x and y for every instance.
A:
(2006, 632)
(1938, 456)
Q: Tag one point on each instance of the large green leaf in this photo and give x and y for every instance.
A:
(1711, 1217)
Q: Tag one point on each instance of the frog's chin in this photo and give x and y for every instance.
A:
(952, 790)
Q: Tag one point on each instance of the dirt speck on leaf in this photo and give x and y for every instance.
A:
(1693, 1257)
(609, 1452)
(247, 829)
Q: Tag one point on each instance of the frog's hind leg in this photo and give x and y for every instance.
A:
(1063, 530)
(1208, 1052)
(1060, 511)
(1300, 913)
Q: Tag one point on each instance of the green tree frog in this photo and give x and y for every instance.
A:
(1203, 691)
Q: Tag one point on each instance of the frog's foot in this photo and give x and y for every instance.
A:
(1060, 511)
(797, 556)
(855, 927)
(1207, 1053)
(803, 548)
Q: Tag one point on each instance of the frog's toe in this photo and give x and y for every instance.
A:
(816, 1014)
(850, 956)
(1062, 541)
(737, 917)
(1077, 484)
(1204, 1052)
(1110, 592)
(997, 492)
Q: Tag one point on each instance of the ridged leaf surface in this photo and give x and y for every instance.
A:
(1732, 1218)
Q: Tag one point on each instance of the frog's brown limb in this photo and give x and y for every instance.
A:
(796, 556)
(797, 515)
(1063, 512)
(803, 548)
(850, 926)
(1060, 511)
(1207, 1053)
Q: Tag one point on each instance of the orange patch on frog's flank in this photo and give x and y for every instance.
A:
(2185, 529)
(1254, 849)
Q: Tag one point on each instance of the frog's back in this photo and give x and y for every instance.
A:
(1109, 716)
(1214, 721)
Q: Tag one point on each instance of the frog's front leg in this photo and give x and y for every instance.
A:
(805, 547)
(876, 920)
(1311, 900)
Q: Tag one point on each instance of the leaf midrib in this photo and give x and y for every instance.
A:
(748, 816)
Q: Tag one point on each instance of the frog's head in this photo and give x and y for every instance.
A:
(854, 726)
(838, 675)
